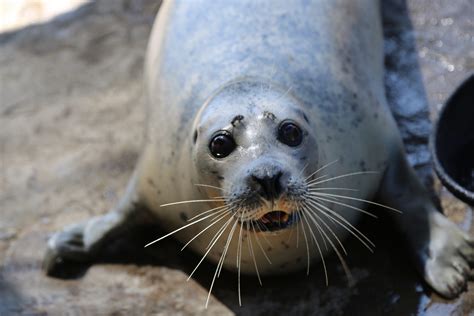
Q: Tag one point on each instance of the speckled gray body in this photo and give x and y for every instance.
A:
(334, 70)
(317, 63)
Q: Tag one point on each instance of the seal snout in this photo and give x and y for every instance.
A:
(268, 186)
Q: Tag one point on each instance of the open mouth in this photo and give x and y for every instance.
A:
(275, 220)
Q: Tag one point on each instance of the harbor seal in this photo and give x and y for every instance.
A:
(268, 124)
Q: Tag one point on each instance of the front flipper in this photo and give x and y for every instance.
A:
(82, 242)
(444, 254)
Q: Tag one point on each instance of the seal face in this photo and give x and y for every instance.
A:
(265, 143)
(277, 134)
(253, 144)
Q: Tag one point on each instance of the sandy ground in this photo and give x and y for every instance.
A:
(16, 14)
(71, 118)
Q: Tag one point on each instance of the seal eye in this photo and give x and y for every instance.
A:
(290, 134)
(222, 145)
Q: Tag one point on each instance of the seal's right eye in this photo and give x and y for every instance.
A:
(222, 145)
(290, 134)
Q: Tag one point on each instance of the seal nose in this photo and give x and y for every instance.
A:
(269, 186)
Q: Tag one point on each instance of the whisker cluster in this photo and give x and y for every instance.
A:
(313, 213)
(313, 209)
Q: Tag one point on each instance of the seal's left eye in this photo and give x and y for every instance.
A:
(222, 145)
(290, 134)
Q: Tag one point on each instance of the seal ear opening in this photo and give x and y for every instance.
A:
(195, 136)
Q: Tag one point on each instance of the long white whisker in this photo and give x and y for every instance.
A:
(315, 182)
(323, 176)
(356, 199)
(320, 169)
(253, 254)
(283, 95)
(221, 260)
(307, 245)
(218, 213)
(216, 235)
(208, 211)
(239, 256)
(304, 168)
(263, 230)
(226, 247)
(212, 283)
(209, 186)
(323, 209)
(297, 231)
(259, 244)
(315, 219)
(328, 189)
(217, 199)
(179, 229)
(320, 252)
(220, 232)
(209, 226)
(239, 244)
(341, 259)
(309, 227)
(331, 200)
(322, 238)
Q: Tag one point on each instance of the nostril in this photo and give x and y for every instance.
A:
(277, 183)
(270, 186)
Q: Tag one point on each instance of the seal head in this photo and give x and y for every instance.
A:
(254, 141)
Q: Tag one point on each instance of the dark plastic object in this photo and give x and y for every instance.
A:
(452, 143)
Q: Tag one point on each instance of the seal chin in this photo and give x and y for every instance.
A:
(275, 220)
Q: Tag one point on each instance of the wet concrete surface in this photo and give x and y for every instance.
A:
(71, 117)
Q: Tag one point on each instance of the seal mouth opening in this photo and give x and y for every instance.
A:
(275, 220)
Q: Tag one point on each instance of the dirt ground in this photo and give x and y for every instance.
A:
(71, 125)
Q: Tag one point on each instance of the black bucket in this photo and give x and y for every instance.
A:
(452, 143)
